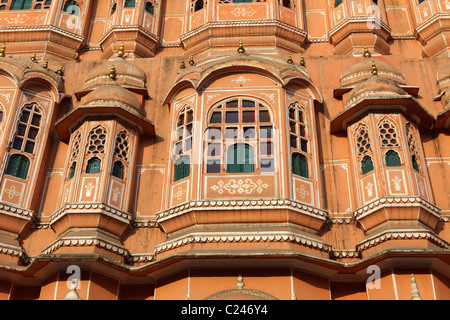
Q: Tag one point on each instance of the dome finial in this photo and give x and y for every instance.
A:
(112, 73)
(289, 60)
(33, 58)
(60, 71)
(302, 61)
(121, 51)
(191, 61)
(367, 53)
(374, 69)
(2, 51)
(45, 66)
(241, 49)
(182, 65)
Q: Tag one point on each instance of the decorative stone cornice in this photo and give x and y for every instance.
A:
(247, 237)
(86, 241)
(351, 19)
(345, 253)
(393, 234)
(80, 208)
(396, 202)
(13, 251)
(211, 205)
(141, 257)
(431, 20)
(17, 212)
(145, 224)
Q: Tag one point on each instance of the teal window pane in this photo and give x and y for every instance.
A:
(71, 7)
(392, 159)
(93, 165)
(18, 166)
(21, 5)
(366, 164)
(414, 163)
(240, 158)
(72, 169)
(300, 165)
(118, 170)
(182, 168)
(149, 7)
(130, 3)
(337, 2)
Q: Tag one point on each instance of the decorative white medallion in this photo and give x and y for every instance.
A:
(240, 186)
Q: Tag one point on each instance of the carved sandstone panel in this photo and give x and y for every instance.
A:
(396, 182)
(254, 11)
(12, 191)
(369, 188)
(240, 186)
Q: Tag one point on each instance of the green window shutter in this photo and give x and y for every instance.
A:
(366, 164)
(16, 5)
(300, 165)
(392, 159)
(18, 166)
(118, 170)
(182, 168)
(93, 165)
(240, 158)
(27, 4)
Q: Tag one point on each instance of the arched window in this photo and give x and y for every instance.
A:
(149, 7)
(72, 169)
(240, 158)
(197, 5)
(183, 142)
(392, 159)
(27, 129)
(239, 121)
(21, 4)
(288, 4)
(129, 3)
(337, 2)
(366, 164)
(388, 134)
(18, 166)
(182, 168)
(300, 165)
(93, 165)
(118, 170)
(72, 7)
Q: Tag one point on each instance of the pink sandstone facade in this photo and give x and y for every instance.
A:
(225, 149)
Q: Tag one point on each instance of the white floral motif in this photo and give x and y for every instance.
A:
(88, 189)
(447, 4)
(11, 192)
(369, 188)
(302, 191)
(243, 12)
(397, 183)
(241, 79)
(240, 186)
(115, 194)
(180, 192)
(18, 19)
(421, 188)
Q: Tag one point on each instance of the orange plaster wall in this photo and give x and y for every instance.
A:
(348, 291)
(309, 286)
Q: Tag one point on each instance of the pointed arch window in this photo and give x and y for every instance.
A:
(118, 170)
(93, 165)
(18, 166)
(239, 137)
(366, 165)
(97, 140)
(149, 7)
(392, 159)
(129, 3)
(27, 129)
(300, 165)
(71, 7)
(183, 143)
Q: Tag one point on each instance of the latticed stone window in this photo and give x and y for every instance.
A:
(412, 145)
(25, 4)
(364, 148)
(74, 154)
(121, 152)
(388, 134)
(97, 140)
